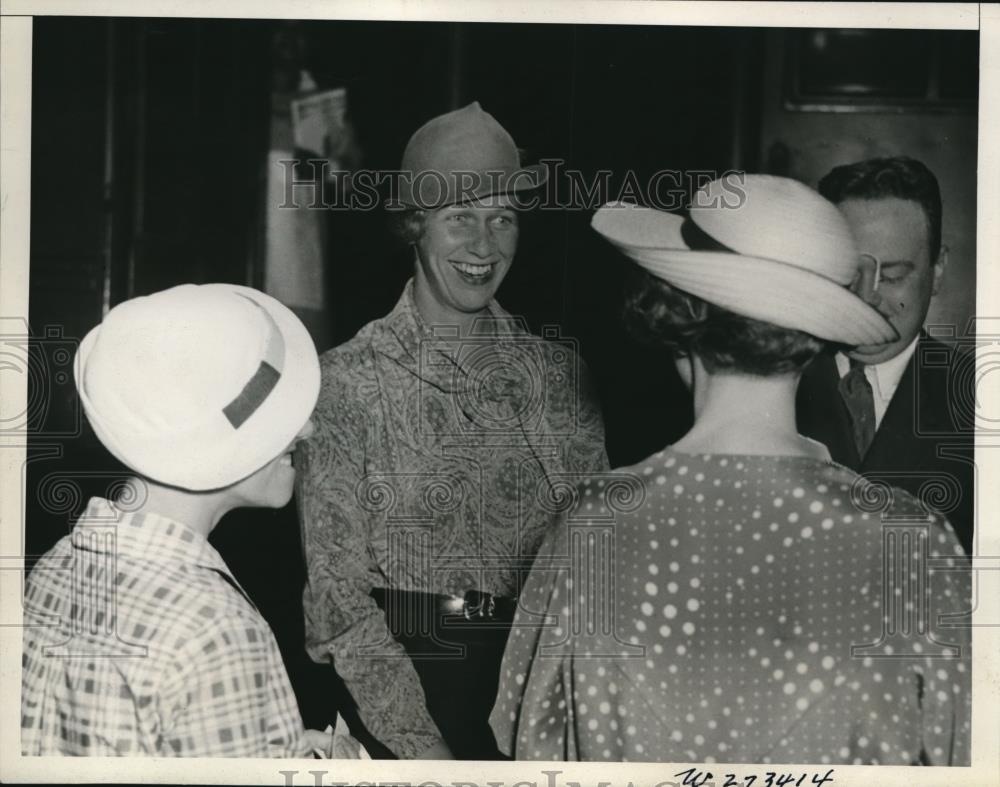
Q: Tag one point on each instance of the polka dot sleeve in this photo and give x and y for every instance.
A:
(532, 708)
(945, 679)
(895, 689)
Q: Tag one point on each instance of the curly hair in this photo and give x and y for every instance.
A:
(661, 315)
(899, 176)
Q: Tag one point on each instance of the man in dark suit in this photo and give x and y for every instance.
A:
(901, 412)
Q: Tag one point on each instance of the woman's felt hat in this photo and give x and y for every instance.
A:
(461, 156)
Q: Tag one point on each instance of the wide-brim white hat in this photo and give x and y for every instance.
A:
(198, 386)
(770, 248)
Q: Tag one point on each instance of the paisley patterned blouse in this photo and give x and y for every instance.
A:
(438, 465)
(712, 608)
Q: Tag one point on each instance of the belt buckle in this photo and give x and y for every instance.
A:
(478, 605)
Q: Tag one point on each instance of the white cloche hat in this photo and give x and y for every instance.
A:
(198, 386)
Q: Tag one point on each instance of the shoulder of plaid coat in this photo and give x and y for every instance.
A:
(164, 657)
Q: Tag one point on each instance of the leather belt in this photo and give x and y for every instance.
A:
(475, 605)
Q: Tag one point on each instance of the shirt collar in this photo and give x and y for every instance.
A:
(407, 348)
(884, 377)
(497, 322)
(145, 535)
(403, 329)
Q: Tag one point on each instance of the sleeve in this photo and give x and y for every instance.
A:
(946, 681)
(228, 696)
(342, 621)
(531, 717)
(917, 667)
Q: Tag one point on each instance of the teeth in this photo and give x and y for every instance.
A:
(473, 270)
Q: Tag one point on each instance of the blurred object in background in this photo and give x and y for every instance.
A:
(295, 238)
(881, 70)
(321, 129)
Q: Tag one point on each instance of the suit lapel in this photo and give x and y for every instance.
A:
(898, 425)
(821, 412)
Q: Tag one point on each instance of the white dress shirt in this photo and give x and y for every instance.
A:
(883, 377)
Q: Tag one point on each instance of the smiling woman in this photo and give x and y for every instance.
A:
(444, 432)
(462, 258)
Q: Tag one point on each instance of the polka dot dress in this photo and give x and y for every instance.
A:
(742, 609)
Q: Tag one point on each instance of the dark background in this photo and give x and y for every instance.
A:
(149, 142)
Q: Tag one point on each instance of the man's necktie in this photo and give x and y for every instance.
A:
(857, 394)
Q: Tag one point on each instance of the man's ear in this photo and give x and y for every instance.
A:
(684, 362)
(940, 264)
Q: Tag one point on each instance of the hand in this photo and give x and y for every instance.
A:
(437, 751)
(320, 743)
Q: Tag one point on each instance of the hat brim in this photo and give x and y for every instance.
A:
(203, 459)
(523, 180)
(756, 287)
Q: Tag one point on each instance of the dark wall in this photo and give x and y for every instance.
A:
(147, 139)
(146, 142)
(70, 236)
